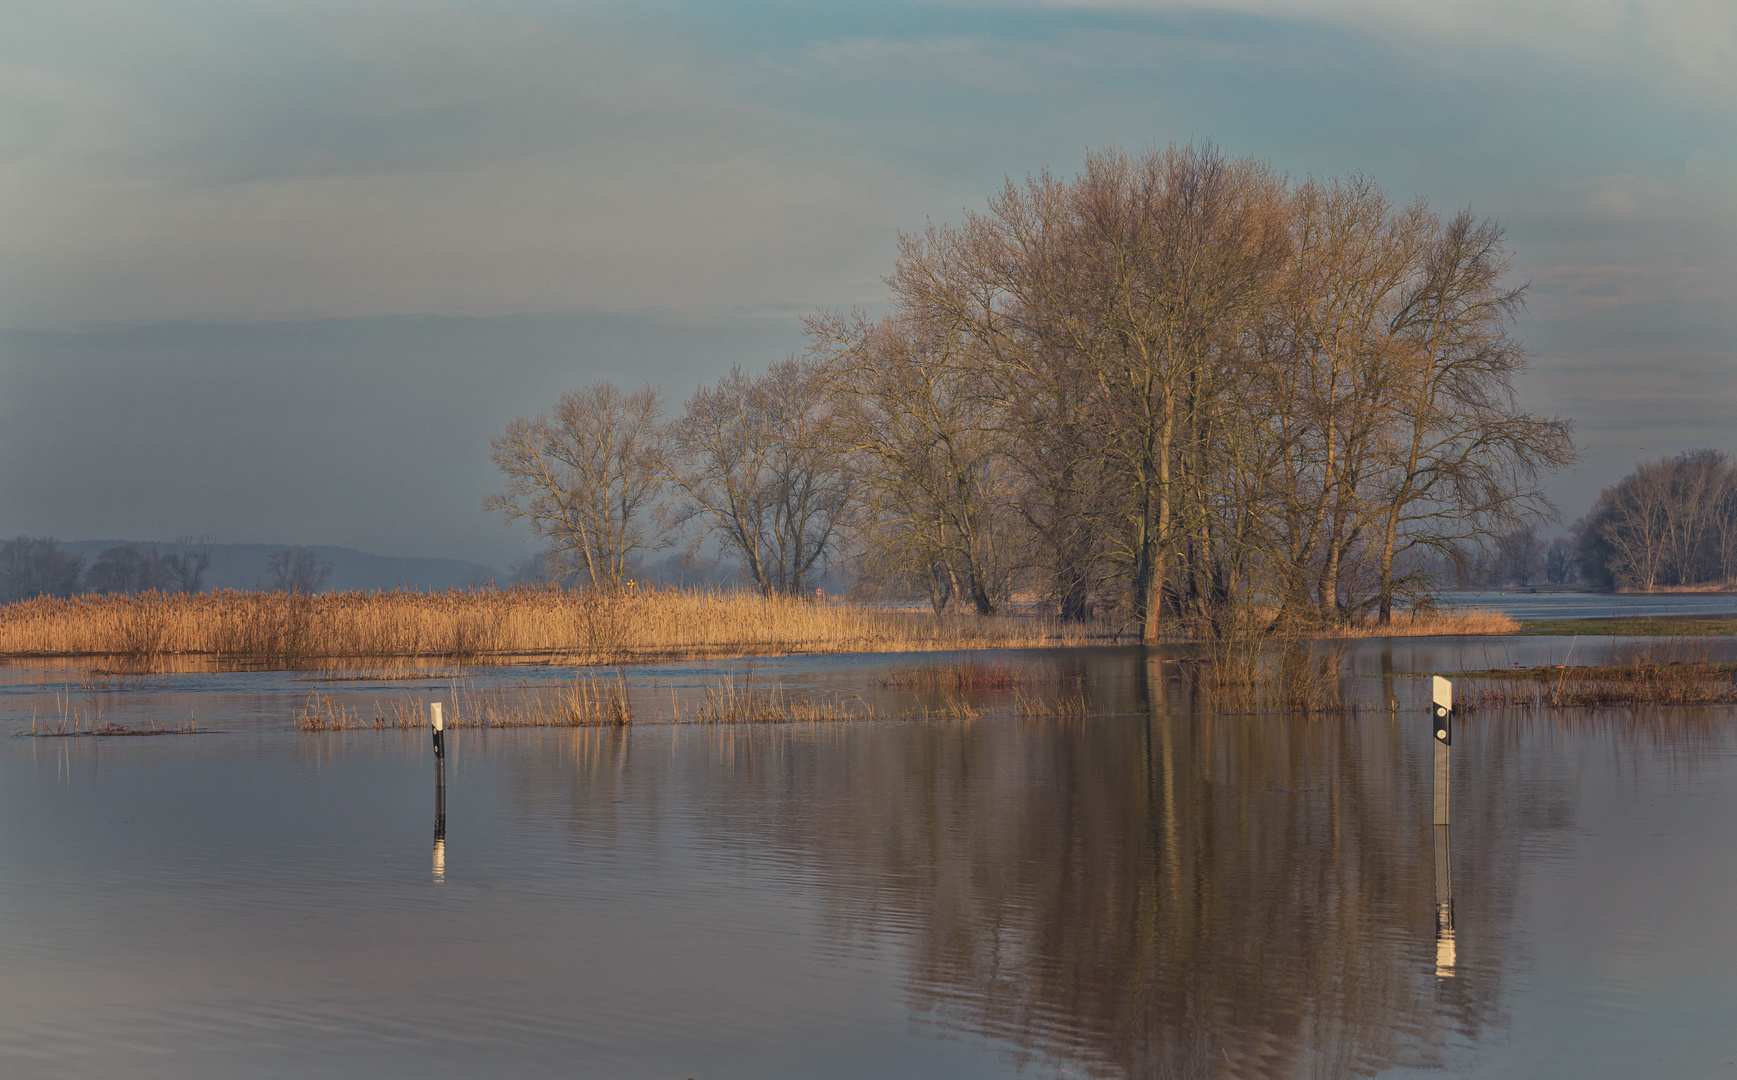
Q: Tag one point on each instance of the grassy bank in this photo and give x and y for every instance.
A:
(151, 630)
(1669, 626)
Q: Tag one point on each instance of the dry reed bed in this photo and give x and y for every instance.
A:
(483, 626)
(152, 630)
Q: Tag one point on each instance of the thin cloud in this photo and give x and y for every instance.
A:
(1694, 41)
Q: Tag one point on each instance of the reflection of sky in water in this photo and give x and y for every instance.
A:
(1129, 895)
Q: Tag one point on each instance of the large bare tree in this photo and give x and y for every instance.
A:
(1330, 369)
(1137, 271)
(1220, 393)
(586, 476)
(1466, 463)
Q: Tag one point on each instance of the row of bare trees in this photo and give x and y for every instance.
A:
(33, 566)
(1670, 523)
(753, 464)
(1177, 386)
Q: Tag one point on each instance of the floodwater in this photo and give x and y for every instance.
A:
(1548, 605)
(1150, 890)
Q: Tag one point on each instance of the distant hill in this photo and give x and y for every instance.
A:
(242, 566)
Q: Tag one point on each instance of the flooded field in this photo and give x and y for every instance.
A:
(1129, 885)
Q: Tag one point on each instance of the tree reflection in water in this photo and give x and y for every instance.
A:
(1158, 890)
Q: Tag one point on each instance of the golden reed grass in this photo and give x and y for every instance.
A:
(1470, 622)
(514, 625)
(490, 626)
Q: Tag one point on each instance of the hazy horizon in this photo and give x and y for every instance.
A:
(279, 274)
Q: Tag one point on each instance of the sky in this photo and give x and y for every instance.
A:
(277, 271)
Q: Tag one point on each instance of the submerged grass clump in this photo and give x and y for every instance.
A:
(1246, 675)
(584, 701)
(72, 720)
(726, 702)
(1066, 704)
(106, 730)
(967, 676)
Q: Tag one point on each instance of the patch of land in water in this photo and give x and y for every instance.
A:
(1674, 671)
(104, 731)
(1648, 626)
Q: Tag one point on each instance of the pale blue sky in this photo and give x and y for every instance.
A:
(728, 166)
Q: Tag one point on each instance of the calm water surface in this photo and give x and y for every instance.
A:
(1151, 891)
(1522, 604)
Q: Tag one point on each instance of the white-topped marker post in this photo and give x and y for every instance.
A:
(439, 724)
(1442, 711)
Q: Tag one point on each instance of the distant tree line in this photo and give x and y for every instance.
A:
(1519, 558)
(1670, 523)
(32, 566)
(1177, 388)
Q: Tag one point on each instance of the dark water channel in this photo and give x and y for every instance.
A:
(1152, 890)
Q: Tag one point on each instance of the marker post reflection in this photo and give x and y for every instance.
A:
(1444, 905)
(436, 720)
